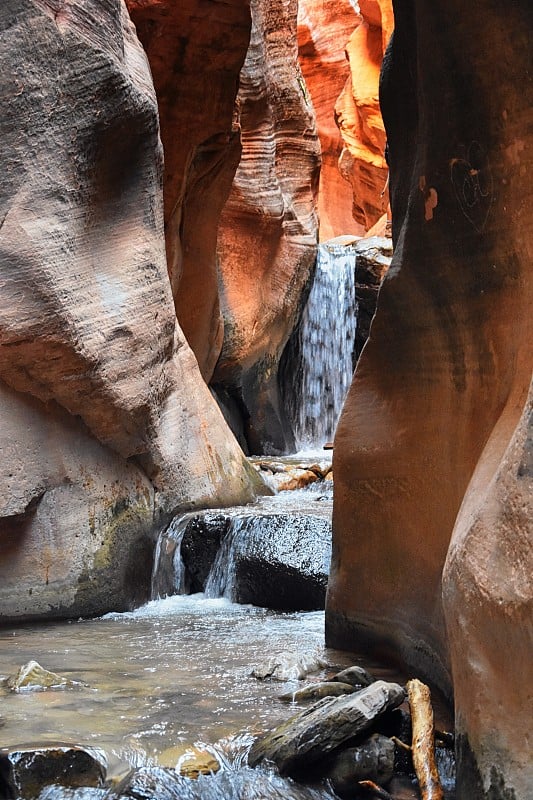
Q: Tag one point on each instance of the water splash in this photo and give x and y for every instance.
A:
(169, 575)
(327, 340)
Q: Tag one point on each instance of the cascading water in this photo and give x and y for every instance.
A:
(326, 343)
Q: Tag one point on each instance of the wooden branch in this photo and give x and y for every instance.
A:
(423, 746)
(374, 789)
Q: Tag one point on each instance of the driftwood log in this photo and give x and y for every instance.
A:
(423, 745)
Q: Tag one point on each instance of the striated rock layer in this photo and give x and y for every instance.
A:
(362, 161)
(196, 50)
(324, 27)
(268, 232)
(441, 386)
(106, 427)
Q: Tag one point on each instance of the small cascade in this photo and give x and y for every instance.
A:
(221, 579)
(326, 343)
(169, 575)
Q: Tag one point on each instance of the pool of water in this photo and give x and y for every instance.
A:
(174, 672)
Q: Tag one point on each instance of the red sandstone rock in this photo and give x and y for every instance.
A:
(106, 423)
(362, 161)
(196, 50)
(324, 27)
(441, 383)
(268, 231)
(488, 600)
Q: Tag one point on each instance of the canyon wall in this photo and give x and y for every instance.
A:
(324, 28)
(429, 449)
(268, 230)
(107, 427)
(362, 160)
(196, 51)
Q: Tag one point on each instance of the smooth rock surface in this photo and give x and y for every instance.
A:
(106, 424)
(268, 231)
(196, 50)
(27, 771)
(324, 27)
(372, 760)
(362, 161)
(308, 737)
(441, 385)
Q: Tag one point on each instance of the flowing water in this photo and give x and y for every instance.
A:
(169, 674)
(326, 343)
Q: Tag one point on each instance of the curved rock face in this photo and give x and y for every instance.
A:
(324, 27)
(446, 368)
(268, 232)
(362, 161)
(106, 423)
(196, 50)
(488, 600)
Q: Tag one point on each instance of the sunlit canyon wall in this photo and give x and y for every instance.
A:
(432, 516)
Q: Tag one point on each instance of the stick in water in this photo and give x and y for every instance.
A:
(374, 789)
(423, 746)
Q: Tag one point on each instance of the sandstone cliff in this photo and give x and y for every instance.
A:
(107, 426)
(324, 28)
(446, 370)
(196, 51)
(268, 230)
(362, 161)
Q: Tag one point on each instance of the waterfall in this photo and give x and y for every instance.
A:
(326, 343)
(168, 573)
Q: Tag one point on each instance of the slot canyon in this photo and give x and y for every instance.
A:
(266, 393)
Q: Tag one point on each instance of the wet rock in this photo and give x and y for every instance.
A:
(288, 666)
(56, 792)
(372, 760)
(311, 735)
(282, 561)
(292, 479)
(148, 783)
(355, 676)
(317, 690)
(26, 772)
(189, 761)
(33, 677)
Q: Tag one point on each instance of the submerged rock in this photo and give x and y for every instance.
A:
(26, 772)
(317, 690)
(33, 677)
(154, 783)
(311, 735)
(372, 760)
(189, 761)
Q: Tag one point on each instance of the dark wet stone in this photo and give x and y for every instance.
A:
(356, 676)
(311, 735)
(372, 760)
(26, 772)
(86, 793)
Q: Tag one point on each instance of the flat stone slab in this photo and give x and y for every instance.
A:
(310, 736)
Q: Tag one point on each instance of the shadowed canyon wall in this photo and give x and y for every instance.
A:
(106, 425)
(429, 449)
(268, 230)
(196, 50)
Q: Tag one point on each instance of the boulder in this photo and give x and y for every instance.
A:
(26, 772)
(107, 427)
(355, 676)
(311, 735)
(372, 760)
(288, 667)
(32, 677)
(373, 258)
(317, 690)
(268, 230)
